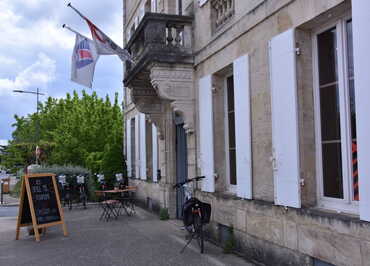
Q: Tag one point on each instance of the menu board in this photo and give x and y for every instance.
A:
(44, 199)
(26, 217)
(40, 204)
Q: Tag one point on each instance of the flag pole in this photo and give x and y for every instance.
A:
(122, 52)
(75, 9)
(64, 26)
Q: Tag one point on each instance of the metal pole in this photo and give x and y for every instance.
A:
(37, 133)
(37, 122)
(1, 192)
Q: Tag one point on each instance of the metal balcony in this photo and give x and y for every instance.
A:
(159, 38)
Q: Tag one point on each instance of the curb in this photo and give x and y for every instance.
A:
(9, 205)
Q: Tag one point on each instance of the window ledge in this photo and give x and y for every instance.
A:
(330, 214)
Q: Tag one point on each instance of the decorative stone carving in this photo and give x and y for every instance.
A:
(175, 83)
(222, 11)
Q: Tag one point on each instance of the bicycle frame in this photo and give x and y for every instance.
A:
(196, 229)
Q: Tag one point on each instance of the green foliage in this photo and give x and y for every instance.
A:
(16, 189)
(68, 170)
(71, 172)
(163, 214)
(230, 244)
(92, 186)
(81, 130)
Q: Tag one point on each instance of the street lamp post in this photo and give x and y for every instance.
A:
(37, 112)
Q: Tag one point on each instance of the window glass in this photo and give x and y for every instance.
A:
(231, 129)
(330, 114)
(327, 56)
(352, 107)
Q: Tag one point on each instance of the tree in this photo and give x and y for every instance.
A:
(85, 131)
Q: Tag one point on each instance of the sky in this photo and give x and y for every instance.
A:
(35, 52)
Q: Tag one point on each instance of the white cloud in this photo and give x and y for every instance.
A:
(39, 74)
(34, 27)
(5, 60)
(17, 32)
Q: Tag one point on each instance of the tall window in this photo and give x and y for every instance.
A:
(337, 124)
(149, 150)
(133, 148)
(230, 132)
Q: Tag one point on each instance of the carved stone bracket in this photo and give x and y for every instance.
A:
(174, 83)
(147, 102)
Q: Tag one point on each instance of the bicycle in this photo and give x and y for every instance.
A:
(195, 213)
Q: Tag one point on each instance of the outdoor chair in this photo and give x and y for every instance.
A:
(110, 207)
(127, 201)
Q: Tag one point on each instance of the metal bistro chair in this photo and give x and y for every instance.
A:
(109, 207)
(127, 201)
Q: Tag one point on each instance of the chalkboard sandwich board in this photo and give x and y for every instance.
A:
(40, 204)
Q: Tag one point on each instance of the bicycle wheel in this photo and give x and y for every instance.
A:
(198, 227)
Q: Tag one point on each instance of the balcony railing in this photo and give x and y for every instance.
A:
(223, 11)
(160, 38)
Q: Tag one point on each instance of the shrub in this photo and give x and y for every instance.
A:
(163, 214)
(92, 186)
(16, 189)
(230, 243)
(70, 171)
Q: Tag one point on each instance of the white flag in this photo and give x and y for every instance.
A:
(84, 57)
(104, 44)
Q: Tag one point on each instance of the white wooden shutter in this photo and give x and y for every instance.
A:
(154, 6)
(128, 147)
(361, 39)
(137, 22)
(155, 151)
(202, 2)
(243, 127)
(285, 137)
(142, 147)
(206, 162)
(141, 13)
(137, 147)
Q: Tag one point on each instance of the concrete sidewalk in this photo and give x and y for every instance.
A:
(137, 240)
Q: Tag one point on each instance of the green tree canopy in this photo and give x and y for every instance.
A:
(81, 130)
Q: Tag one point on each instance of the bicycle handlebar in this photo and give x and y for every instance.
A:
(197, 178)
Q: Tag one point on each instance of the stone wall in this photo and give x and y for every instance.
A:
(148, 194)
(277, 235)
(267, 233)
(250, 34)
(272, 234)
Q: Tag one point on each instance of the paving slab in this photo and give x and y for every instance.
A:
(141, 239)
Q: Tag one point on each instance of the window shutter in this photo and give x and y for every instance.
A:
(155, 151)
(137, 22)
(202, 2)
(142, 147)
(137, 147)
(154, 6)
(243, 127)
(206, 162)
(141, 13)
(361, 39)
(128, 147)
(285, 137)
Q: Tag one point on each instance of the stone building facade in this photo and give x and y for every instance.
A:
(266, 98)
